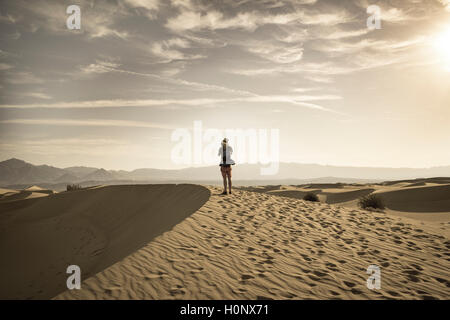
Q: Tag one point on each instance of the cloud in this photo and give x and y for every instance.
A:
(72, 146)
(8, 18)
(150, 7)
(296, 100)
(278, 53)
(23, 77)
(304, 68)
(100, 67)
(6, 54)
(169, 50)
(98, 19)
(87, 123)
(397, 15)
(320, 79)
(302, 100)
(302, 90)
(106, 66)
(354, 56)
(38, 95)
(5, 66)
(446, 4)
(196, 20)
(293, 34)
(341, 34)
(405, 10)
(64, 142)
(389, 46)
(101, 31)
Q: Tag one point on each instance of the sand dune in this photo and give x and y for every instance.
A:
(37, 189)
(89, 228)
(28, 193)
(418, 199)
(254, 245)
(22, 195)
(437, 180)
(7, 191)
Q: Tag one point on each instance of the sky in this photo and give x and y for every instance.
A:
(113, 93)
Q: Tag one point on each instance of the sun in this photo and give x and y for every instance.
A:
(442, 44)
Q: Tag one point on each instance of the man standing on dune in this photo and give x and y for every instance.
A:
(226, 162)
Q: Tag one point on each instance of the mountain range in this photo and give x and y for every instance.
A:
(16, 172)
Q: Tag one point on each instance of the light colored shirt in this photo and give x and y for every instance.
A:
(228, 152)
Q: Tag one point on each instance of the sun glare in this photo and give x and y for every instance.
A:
(442, 45)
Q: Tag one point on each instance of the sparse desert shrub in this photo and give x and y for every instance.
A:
(311, 197)
(371, 201)
(72, 187)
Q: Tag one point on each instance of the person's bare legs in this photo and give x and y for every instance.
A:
(224, 184)
(229, 184)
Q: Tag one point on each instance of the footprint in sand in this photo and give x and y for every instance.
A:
(349, 284)
(393, 293)
(320, 273)
(240, 290)
(178, 290)
(335, 294)
(356, 291)
(263, 298)
(446, 282)
(262, 274)
(313, 278)
(153, 276)
(246, 277)
(412, 278)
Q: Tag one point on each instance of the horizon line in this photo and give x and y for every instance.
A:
(212, 165)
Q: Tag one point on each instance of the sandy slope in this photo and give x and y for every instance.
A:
(92, 228)
(255, 245)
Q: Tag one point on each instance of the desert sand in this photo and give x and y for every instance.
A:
(188, 242)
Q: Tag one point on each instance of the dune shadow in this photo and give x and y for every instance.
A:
(90, 228)
(339, 197)
(16, 196)
(295, 194)
(419, 199)
(6, 207)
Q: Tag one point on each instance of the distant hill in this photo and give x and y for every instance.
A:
(18, 172)
(80, 171)
(67, 177)
(101, 175)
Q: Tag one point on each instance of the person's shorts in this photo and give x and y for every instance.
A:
(226, 171)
